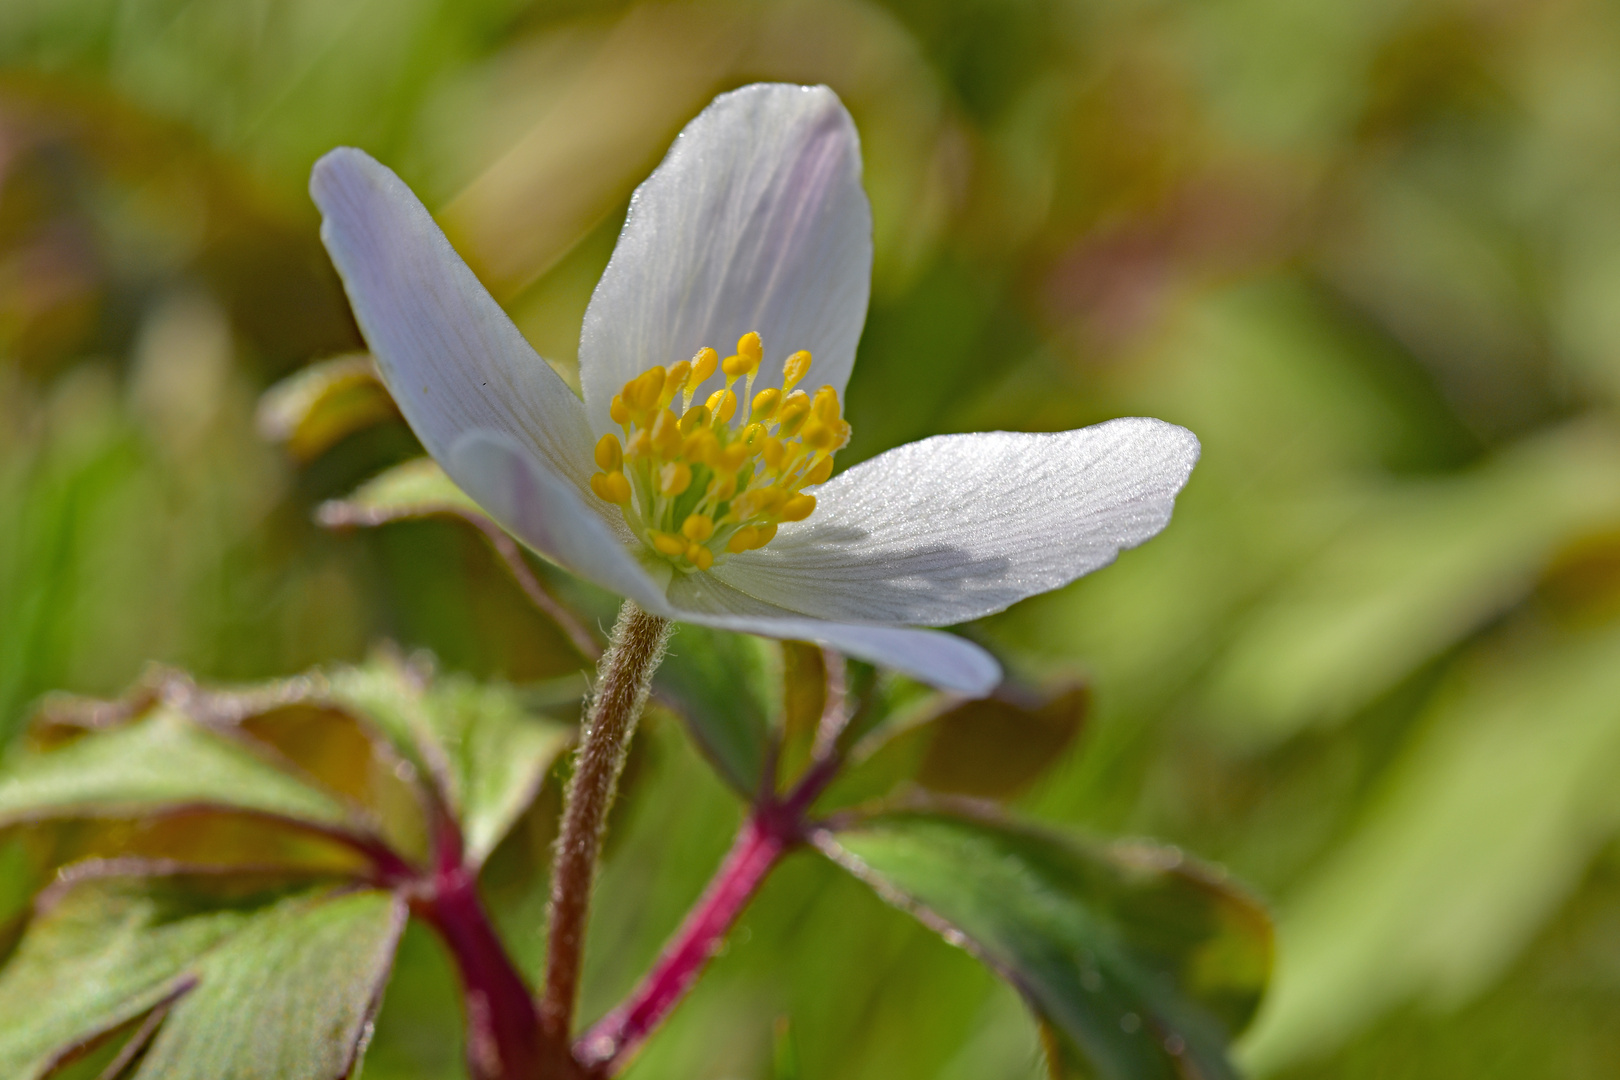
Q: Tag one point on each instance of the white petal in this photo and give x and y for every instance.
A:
(937, 658)
(451, 357)
(547, 513)
(958, 526)
(931, 656)
(756, 220)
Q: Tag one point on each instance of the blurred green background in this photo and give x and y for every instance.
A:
(1368, 251)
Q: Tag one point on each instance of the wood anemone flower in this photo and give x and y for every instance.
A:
(696, 477)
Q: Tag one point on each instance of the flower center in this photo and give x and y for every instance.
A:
(717, 479)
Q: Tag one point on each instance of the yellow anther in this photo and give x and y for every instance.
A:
(611, 487)
(739, 365)
(641, 393)
(798, 508)
(818, 436)
(693, 419)
(674, 478)
(697, 527)
(750, 469)
(666, 435)
(723, 487)
(675, 381)
(667, 544)
(759, 501)
(795, 368)
(700, 446)
(825, 405)
(791, 416)
(723, 404)
(703, 365)
(765, 403)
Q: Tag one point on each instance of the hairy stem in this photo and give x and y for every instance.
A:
(623, 679)
(758, 847)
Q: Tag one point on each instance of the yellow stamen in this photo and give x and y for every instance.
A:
(641, 393)
(798, 508)
(825, 405)
(791, 416)
(723, 404)
(694, 418)
(667, 544)
(666, 435)
(723, 487)
(675, 380)
(700, 446)
(611, 487)
(796, 368)
(703, 365)
(748, 466)
(697, 527)
(765, 403)
(674, 478)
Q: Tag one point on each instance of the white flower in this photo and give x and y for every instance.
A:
(755, 230)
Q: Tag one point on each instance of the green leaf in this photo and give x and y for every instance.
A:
(160, 763)
(1142, 964)
(499, 753)
(259, 983)
(415, 489)
(804, 699)
(996, 747)
(991, 748)
(486, 752)
(312, 409)
(290, 995)
(728, 689)
(103, 954)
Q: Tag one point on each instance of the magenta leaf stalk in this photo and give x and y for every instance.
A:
(774, 829)
(761, 842)
(504, 1039)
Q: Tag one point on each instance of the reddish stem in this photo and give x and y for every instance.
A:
(503, 1030)
(504, 1040)
(761, 842)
